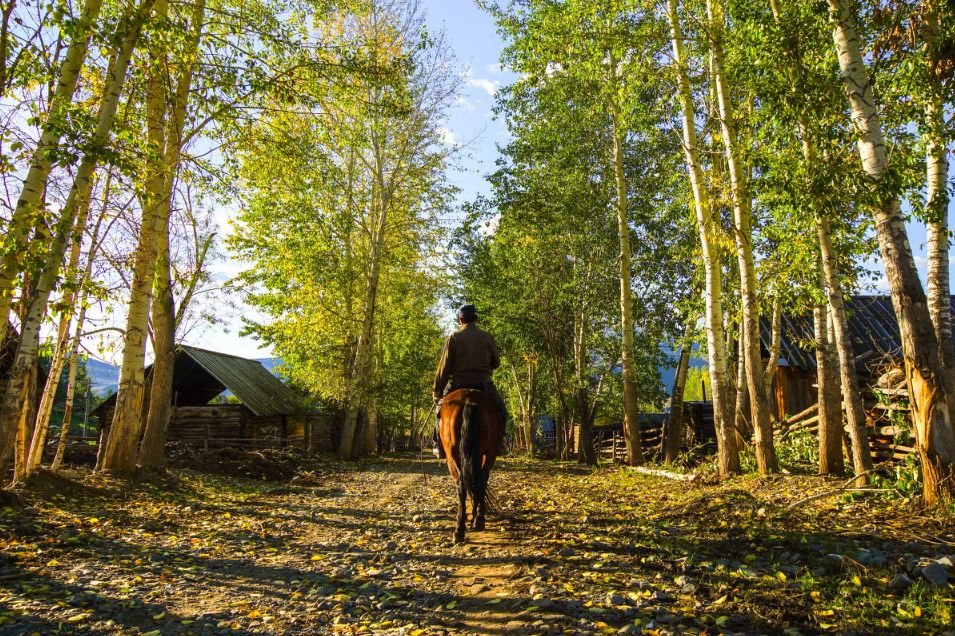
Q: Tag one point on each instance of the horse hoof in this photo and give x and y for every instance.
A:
(458, 539)
(479, 525)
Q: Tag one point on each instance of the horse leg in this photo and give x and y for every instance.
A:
(474, 512)
(462, 511)
(479, 510)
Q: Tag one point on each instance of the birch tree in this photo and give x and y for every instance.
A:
(925, 374)
(163, 306)
(708, 227)
(743, 236)
(17, 233)
(76, 205)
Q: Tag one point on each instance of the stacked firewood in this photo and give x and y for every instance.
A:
(886, 404)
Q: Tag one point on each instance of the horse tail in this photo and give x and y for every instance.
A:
(473, 477)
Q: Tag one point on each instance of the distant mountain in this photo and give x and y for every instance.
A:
(104, 377)
(668, 371)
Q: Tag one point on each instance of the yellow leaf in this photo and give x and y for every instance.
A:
(495, 601)
(816, 596)
(52, 563)
(720, 600)
(781, 576)
(918, 612)
(856, 580)
(254, 614)
(317, 557)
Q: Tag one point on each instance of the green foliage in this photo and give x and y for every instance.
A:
(799, 452)
(696, 379)
(317, 272)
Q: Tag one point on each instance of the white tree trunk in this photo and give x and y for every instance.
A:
(937, 198)
(707, 224)
(360, 368)
(631, 422)
(852, 398)
(45, 410)
(925, 377)
(163, 307)
(15, 240)
(743, 235)
(78, 199)
(118, 452)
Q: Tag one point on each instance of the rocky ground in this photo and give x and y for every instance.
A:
(366, 549)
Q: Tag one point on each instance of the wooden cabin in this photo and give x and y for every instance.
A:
(876, 343)
(267, 413)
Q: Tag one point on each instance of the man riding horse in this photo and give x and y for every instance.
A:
(468, 360)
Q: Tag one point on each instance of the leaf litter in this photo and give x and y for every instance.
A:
(365, 549)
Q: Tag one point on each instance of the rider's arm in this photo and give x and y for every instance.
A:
(444, 370)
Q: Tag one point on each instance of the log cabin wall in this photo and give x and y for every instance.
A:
(216, 426)
(207, 426)
(794, 390)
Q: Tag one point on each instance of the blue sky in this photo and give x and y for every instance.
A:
(472, 37)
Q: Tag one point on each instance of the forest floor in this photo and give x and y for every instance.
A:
(365, 548)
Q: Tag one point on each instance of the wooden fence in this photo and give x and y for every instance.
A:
(235, 426)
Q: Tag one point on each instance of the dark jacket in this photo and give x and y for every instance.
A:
(469, 357)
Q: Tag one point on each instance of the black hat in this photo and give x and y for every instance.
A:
(467, 313)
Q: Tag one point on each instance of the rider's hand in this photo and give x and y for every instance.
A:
(435, 397)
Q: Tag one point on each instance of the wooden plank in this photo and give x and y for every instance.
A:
(899, 392)
(789, 421)
(887, 407)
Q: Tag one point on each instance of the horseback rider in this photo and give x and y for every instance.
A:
(468, 360)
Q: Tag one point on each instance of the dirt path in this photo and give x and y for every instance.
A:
(361, 549)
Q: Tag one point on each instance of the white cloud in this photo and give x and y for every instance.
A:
(487, 85)
(448, 137)
(490, 87)
(880, 285)
(493, 69)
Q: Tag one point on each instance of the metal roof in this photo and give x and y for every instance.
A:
(199, 375)
(873, 329)
(260, 391)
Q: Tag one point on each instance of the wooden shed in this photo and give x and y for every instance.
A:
(268, 413)
(876, 343)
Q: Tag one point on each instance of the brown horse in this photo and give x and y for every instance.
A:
(469, 431)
